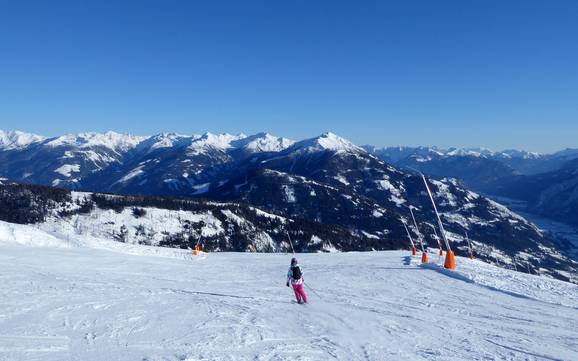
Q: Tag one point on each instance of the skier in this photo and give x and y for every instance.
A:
(295, 277)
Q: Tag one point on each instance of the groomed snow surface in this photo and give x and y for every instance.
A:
(64, 299)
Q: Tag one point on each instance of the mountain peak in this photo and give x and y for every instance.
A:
(165, 140)
(110, 139)
(327, 141)
(17, 139)
(210, 140)
(263, 142)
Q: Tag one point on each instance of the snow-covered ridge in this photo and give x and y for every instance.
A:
(263, 142)
(422, 152)
(164, 140)
(326, 141)
(260, 142)
(112, 140)
(17, 139)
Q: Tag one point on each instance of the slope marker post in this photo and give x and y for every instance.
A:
(439, 241)
(413, 250)
(450, 262)
(470, 246)
(420, 238)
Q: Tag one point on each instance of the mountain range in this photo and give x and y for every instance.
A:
(325, 180)
(547, 184)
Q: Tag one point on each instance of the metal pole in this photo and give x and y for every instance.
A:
(419, 236)
(469, 245)
(290, 242)
(443, 232)
(409, 235)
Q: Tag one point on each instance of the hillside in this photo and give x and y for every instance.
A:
(163, 304)
(544, 184)
(230, 226)
(172, 222)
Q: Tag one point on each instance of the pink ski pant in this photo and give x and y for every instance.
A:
(300, 294)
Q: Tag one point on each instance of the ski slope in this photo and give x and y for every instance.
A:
(85, 299)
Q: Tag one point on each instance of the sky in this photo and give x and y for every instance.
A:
(496, 74)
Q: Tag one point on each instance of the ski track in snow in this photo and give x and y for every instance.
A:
(83, 303)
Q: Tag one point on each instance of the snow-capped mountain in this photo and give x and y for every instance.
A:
(544, 181)
(170, 164)
(326, 180)
(119, 143)
(83, 160)
(65, 160)
(516, 161)
(17, 140)
(325, 142)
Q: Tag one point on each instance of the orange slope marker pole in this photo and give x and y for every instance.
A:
(419, 237)
(439, 242)
(441, 251)
(413, 250)
(450, 262)
(197, 249)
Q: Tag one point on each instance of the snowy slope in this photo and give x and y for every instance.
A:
(81, 303)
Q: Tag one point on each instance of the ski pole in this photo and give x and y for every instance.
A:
(311, 288)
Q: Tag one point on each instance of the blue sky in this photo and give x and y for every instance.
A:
(499, 74)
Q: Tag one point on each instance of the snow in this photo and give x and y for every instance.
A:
(443, 192)
(268, 215)
(369, 235)
(326, 141)
(111, 140)
(67, 169)
(93, 156)
(232, 216)
(395, 194)
(316, 240)
(340, 178)
(263, 242)
(164, 140)
(398, 153)
(456, 218)
(150, 229)
(122, 143)
(201, 188)
(263, 142)
(106, 304)
(209, 141)
(26, 235)
(289, 193)
(17, 140)
(136, 172)
(260, 142)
